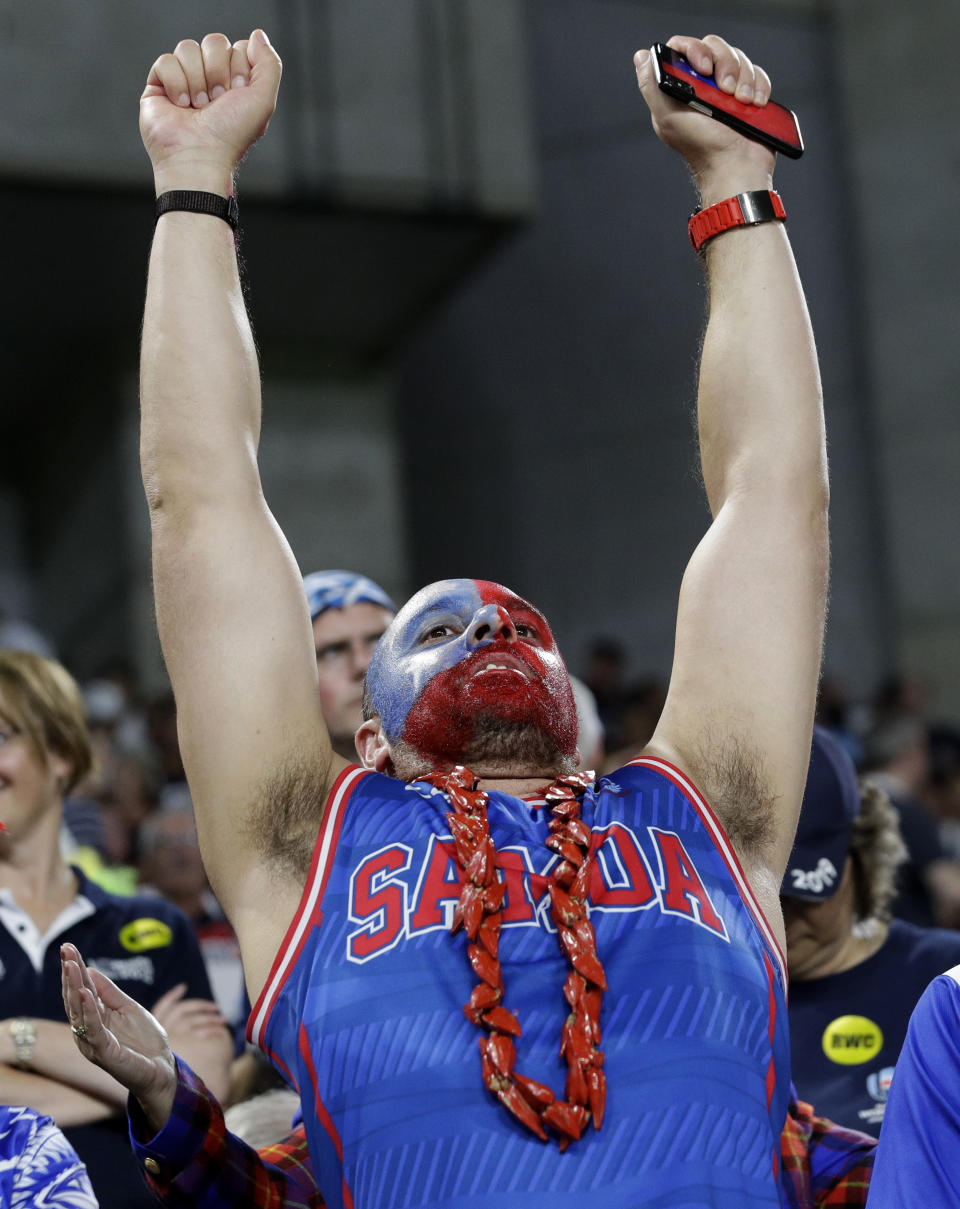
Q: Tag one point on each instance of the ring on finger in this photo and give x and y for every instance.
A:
(79, 1030)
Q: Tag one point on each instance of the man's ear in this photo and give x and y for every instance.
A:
(372, 745)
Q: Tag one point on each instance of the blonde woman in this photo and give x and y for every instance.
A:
(145, 944)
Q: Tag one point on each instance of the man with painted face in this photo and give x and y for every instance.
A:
(635, 920)
(469, 673)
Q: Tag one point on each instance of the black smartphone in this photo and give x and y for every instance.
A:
(772, 124)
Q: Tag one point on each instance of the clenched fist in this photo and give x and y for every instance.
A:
(204, 106)
(722, 161)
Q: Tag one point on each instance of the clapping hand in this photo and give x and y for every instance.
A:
(119, 1035)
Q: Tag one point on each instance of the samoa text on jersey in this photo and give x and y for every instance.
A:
(363, 1008)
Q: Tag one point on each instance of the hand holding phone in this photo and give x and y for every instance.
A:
(771, 124)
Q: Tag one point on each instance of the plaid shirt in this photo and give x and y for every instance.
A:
(194, 1163)
(822, 1165)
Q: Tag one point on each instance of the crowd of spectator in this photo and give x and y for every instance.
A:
(894, 737)
(128, 825)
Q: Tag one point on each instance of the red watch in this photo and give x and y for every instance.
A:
(744, 210)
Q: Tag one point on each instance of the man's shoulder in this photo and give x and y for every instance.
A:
(356, 784)
(935, 1026)
(644, 767)
(652, 771)
(943, 1002)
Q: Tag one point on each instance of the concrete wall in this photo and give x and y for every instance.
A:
(400, 155)
(410, 102)
(905, 177)
(544, 416)
(563, 377)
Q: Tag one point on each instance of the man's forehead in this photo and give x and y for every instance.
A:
(463, 596)
(491, 593)
(355, 621)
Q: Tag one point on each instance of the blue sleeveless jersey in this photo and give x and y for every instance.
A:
(363, 1009)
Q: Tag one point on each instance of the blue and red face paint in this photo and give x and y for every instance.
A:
(430, 678)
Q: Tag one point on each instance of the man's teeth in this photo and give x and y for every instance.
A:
(499, 667)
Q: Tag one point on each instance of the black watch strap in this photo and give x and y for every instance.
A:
(200, 203)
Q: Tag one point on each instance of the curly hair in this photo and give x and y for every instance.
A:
(877, 850)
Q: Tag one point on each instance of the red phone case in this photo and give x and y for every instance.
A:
(772, 124)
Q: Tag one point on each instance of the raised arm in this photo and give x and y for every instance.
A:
(740, 707)
(230, 606)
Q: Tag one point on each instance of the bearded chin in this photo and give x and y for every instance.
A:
(495, 747)
(496, 726)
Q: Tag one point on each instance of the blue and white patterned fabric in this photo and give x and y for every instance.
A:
(340, 589)
(39, 1169)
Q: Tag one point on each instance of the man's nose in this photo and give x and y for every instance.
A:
(491, 621)
(360, 655)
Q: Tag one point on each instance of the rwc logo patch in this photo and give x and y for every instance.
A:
(852, 1040)
(141, 934)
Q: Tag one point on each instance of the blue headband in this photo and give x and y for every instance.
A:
(340, 589)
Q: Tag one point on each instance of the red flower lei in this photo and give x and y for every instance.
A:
(479, 913)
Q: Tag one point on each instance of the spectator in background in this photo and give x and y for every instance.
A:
(942, 793)
(900, 696)
(349, 613)
(641, 707)
(170, 865)
(590, 735)
(38, 1166)
(603, 676)
(146, 944)
(104, 811)
(855, 973)
(837, 714)
(897, 759)
(162, 729)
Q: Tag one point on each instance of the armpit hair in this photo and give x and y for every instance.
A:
(283, 822)
(738, 789)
